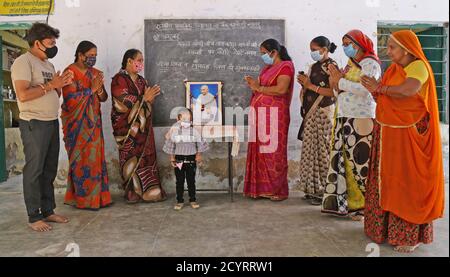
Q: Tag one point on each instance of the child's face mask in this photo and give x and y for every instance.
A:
(185, 124)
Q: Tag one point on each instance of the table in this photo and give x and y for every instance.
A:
(231, 136)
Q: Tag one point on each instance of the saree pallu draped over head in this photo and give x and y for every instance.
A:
(411, 166)
(269, 117)
(365, 43)
(132, 124)
(352, 71)
(87, 181)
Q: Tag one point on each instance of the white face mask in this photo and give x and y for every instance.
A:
(185, 124)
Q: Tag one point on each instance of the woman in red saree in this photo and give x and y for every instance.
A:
(131, 117)
(87, 181)
(269, 118)
(405, 189)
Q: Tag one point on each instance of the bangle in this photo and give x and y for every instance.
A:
(317, 89)
(385, 90)
(379, 88)
(101, 91)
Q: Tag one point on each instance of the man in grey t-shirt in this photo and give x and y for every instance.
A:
(38, 88)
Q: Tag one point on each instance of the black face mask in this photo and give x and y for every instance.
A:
(50, 52)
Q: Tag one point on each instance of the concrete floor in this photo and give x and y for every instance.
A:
(219, 228)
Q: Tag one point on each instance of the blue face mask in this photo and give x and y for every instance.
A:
(350, 51)
(267, 59)
(90, 61)
(316, 56)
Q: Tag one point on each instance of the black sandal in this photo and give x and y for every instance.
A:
(357, 216)
(316, 201)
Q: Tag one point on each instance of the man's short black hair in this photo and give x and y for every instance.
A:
(41, 31)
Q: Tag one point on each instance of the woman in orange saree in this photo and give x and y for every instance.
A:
(405, 191)
(87, 181)
(267, 165)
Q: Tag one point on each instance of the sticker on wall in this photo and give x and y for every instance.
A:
(20, 7)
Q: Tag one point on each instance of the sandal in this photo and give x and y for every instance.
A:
(316, 201)
(406, 248)
(178, 206)
(132, 198)
(195, 205)
(358, 216)
(277, 199)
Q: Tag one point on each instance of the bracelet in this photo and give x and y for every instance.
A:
(43, 89)
(49, 86)
(317, 89)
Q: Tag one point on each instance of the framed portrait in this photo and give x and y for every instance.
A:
(205, 101)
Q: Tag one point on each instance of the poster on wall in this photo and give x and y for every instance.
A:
(21, 7)
(204, 99)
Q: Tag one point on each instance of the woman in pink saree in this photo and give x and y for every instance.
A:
(269, 118)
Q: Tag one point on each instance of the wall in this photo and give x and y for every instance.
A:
(116, 25)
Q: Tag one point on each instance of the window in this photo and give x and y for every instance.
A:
(434, 40)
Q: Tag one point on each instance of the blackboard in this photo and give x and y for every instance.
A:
(204, 50)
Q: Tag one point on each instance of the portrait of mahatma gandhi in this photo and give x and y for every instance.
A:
(205, 101)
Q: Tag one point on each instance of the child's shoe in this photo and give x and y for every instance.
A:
(195, 205)
(178, 206)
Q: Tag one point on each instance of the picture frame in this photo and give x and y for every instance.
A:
(205, 101)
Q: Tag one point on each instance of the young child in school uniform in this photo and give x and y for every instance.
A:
(184, 144)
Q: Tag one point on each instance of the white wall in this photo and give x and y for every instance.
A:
(116, 25)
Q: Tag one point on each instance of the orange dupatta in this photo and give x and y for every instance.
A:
(411, 166)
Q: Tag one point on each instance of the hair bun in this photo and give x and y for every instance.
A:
(332, 47)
